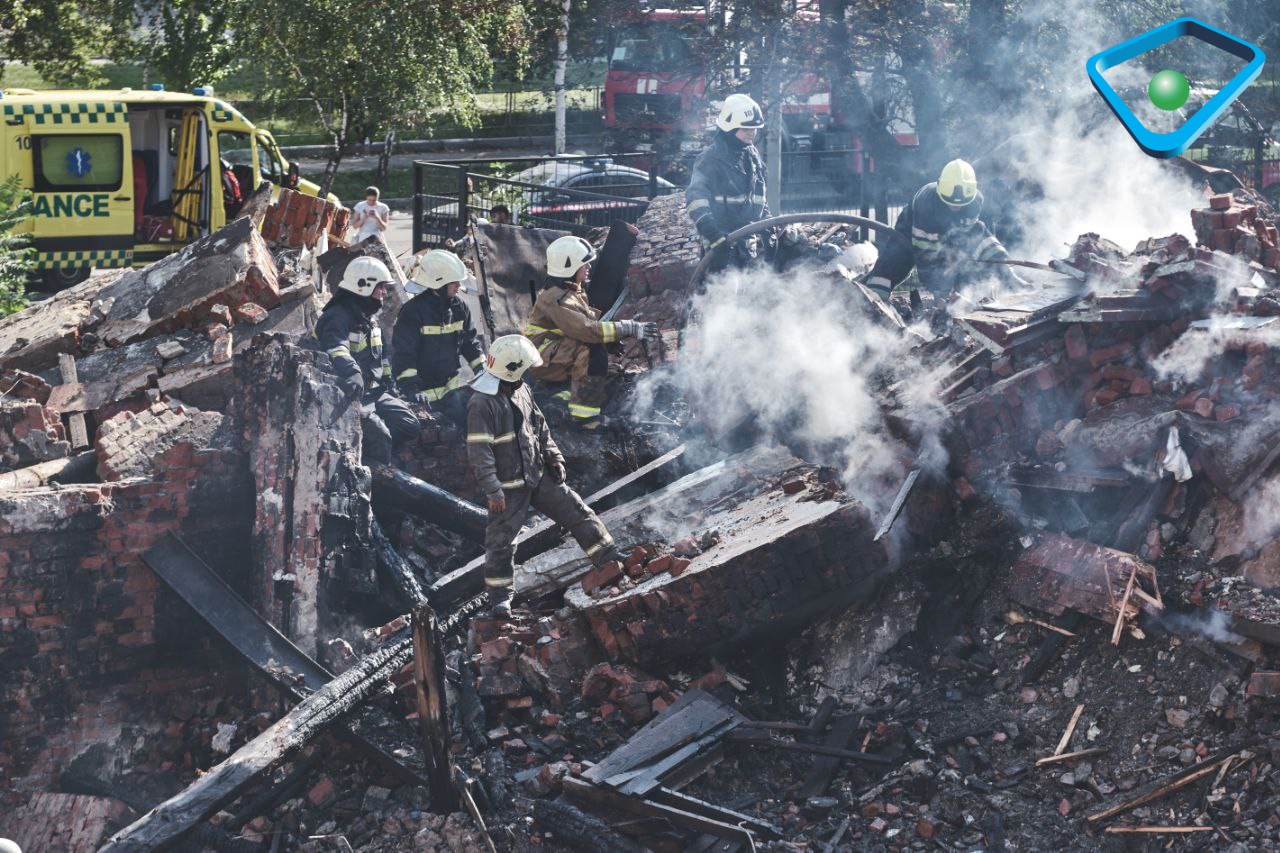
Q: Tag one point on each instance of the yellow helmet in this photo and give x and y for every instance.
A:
(958, 185)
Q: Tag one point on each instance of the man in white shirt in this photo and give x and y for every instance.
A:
(369, 217)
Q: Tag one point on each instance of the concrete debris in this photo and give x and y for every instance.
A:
(1054, 615)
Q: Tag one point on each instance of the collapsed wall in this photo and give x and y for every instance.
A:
(92, 646)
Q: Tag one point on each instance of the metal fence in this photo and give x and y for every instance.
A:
(578, 193)
(571, 193)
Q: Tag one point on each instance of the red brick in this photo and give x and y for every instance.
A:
(661, 564)
(1002, 366)
(1077, 346)
(1100, 357)
(322, 792)
(1119, 371)
(678, 566)
(1140, 386)
(1232, 218)
(1106, 396)
(1221, 201)
(1226, 412)
(1203, 407)
(251, 312)
(1224, 240)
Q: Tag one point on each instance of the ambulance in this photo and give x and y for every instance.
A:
(123, 177)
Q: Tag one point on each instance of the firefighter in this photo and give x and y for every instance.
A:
(948, 240)
(569, 334)
(348, 332)
(433, 333)
(726, 189)
(518, 465)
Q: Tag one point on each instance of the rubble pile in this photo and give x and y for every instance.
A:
(219, 629)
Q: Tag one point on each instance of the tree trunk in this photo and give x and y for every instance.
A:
(340, 134)
(384, 158)
(562, 62)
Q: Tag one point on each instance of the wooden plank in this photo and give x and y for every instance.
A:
(668, 797)
(67, 370)
(1175, 783)
(824, 769)
(650, 777)
(820, 749)
(1161, 830)
(1070, 756)
(1071, 729)
(693, 715)
(585, 792)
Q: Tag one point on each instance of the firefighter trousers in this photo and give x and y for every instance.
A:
(385, 422)
(559, 503)
(586, 366)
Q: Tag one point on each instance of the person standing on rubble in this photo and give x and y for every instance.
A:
(348, 332)
(570, 336)
(947, 242)
(433, 333)
(518, 465)
(727, 189)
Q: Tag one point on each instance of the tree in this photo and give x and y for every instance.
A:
(186, 42)
(366, 67)
(562, 62)
(61, 38)
(15, 249)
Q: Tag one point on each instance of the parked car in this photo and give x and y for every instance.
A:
(565, 201)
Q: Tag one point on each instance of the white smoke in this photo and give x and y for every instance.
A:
(794, 359)
(1261, 522)
(1212, 624)
(1062, 139)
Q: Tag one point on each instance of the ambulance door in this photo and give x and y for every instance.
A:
(82, 185)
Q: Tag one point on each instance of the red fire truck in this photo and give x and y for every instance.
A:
(656, 99)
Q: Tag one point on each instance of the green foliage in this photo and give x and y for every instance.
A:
(368, 67)
(188, 44)
(61, 38)
(15, 251)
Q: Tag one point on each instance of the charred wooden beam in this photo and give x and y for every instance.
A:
(172, 819)
(397, 569)
(433, 708)
(580, 830)
(394, 488)
(76, 468)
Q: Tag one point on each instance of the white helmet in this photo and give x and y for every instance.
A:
(739, 111)
(510, 356)
(434, 270)
(567, 255)
(364, 274)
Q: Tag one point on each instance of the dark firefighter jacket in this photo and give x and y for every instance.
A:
(432, 331)
(508, 442)
(946, 246)
(347, 332)
(726, 190)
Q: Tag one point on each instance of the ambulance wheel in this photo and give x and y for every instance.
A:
(61, 279)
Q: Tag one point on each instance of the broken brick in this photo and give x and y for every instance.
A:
(1221, 201)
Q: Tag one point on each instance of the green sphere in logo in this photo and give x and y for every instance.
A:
(1168, 90)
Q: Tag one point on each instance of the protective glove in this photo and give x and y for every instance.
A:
(352, 386)
(556, 469)
(637, 329)
(497, 504)
(717, 242)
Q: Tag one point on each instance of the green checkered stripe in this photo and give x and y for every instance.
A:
(101, 112)
(101, 259)
(223, 111)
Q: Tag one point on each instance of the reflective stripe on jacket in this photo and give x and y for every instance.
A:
(944, 243)
(508, 442)
(432, 332)
(560, 312)
(347, 332)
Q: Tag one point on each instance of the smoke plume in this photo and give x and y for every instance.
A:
(791, 358)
